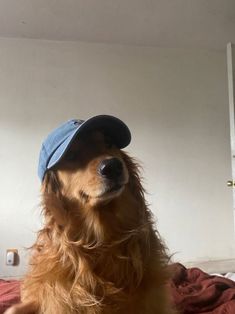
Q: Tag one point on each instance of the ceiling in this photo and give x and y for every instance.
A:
(165, 23)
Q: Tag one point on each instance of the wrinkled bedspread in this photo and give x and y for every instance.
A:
(9, 293)
(195, 292)
(192, 292)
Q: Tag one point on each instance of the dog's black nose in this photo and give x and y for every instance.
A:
(111, 168)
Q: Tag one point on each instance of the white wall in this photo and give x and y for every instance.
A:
(174, 101)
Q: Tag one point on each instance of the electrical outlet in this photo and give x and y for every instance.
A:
(12, 257)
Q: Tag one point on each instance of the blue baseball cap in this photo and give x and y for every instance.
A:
(59, 140)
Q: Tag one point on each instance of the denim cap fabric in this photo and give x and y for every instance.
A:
(58, 141)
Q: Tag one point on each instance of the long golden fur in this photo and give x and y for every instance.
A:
(98, 252)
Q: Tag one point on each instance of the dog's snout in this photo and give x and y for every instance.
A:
(111, 168)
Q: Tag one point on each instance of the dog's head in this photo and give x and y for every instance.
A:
(95, 187)
(93, 170)
(94, 176)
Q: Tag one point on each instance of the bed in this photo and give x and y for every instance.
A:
(9, 293)
(192, 291)
(196, 292)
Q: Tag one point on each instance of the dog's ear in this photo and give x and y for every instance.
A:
(51, 183)
(134, 178)
(134, 170)
(52, 200)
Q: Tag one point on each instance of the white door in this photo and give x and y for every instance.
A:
(231, 90)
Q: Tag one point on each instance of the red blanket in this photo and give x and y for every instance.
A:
(9, 294)
(195, 292)
(192, 290)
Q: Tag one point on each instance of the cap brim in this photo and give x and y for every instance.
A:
(116, 129)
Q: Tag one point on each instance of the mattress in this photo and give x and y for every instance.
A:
(9, 293)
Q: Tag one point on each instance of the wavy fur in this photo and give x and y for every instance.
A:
(103, 259)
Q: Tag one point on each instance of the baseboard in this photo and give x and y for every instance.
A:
(214, 266)
(11, 277)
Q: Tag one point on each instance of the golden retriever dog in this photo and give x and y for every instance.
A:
(98, 251)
